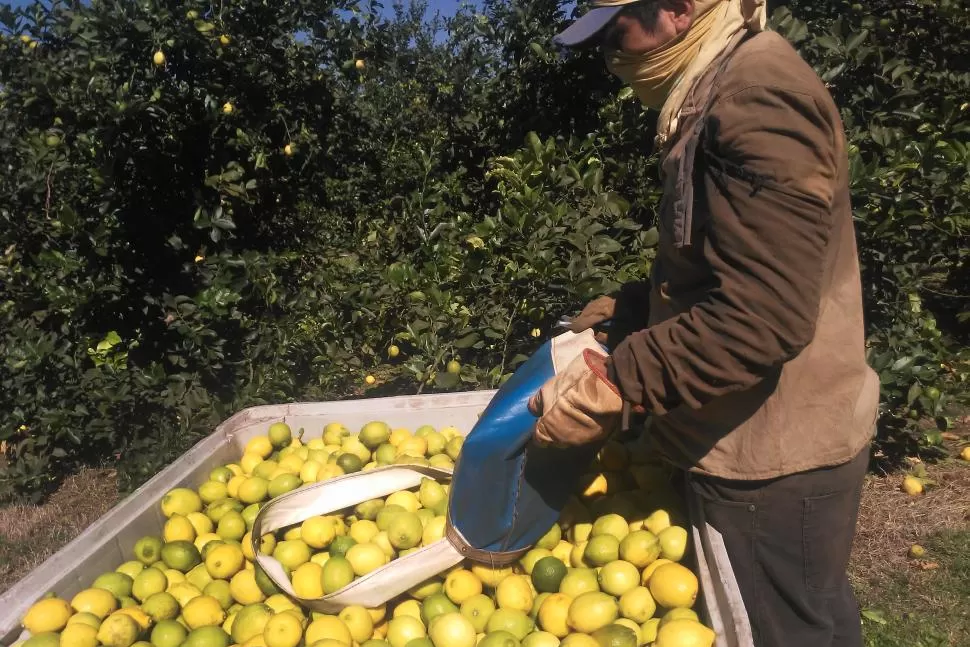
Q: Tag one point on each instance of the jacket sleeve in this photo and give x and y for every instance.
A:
(767, 181)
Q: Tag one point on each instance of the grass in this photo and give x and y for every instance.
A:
(927, 605)
(910, 602)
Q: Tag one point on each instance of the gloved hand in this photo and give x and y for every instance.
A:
(627, 310)
(579, 405)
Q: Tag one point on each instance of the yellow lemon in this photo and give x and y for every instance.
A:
(253, 490)
(658, 521)
(591, 611)
(648, 631)
(51, 614)
(249, 462)
(96, 601)
(434, 531)
(318, 532)
(232, 487)
(398, 435)
(181, 501)
(161, 606)
(490, 576)
(320, 558)
(912, 486)
(632, 626)
(259, 445)
(86, 619)
(640, 548)
(183, 592)
(244, 588)
(212, 491)
(649, 570)
(283, 630)
(255, 641)
(461, 584)
(358, 621)
(329, 471)
(378, 614)
(328, 627)
(595, 487)
(363, 531)
(307, 580)
(199, 577)
(365, 558)
(310, 471)
(618, 577)
(562, 551)
(408, 608)
(148, 583)
(553, 614)
(118, 630)
(178, 528)
(404, 498)
(529, 560)
(514, 592)
(201, 523)
(673, 585)
(637, 605)
(452, 630)
(79, 635)
(250, 621)
(173, 577)
(412, 446)
(201, 541)
(673, 543)
(404, 629)
(224, 561)
(684, 633)
(291, 553)
(138, 615)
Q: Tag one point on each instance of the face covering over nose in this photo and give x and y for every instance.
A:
(662, 78)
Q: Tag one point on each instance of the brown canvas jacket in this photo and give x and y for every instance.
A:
(753, 365)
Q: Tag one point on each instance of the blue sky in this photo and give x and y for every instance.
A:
(446, 7)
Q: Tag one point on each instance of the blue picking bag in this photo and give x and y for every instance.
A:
(506, 491)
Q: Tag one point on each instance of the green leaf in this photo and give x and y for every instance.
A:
(874, 615)
(856, 39)
(915, 390)
(446, 380)
(468, 340)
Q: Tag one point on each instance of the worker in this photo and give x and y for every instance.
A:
(746, 347)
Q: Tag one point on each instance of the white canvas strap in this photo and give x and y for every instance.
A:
(383, 584)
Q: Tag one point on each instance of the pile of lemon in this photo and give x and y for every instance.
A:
(608, 575)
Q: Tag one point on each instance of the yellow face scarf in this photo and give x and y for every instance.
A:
(653, 74)
(663, 77)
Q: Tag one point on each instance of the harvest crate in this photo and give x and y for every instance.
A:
(109, 541)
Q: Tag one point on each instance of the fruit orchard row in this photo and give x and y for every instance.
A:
(207, 207)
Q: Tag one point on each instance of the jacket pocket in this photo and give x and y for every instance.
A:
(828, 525)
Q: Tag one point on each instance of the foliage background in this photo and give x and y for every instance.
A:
(164, 263)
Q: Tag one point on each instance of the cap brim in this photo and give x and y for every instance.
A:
(586, 27)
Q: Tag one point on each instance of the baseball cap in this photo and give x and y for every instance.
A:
(587, 26)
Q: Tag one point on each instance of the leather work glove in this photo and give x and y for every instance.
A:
(580, 405)
(627, 311)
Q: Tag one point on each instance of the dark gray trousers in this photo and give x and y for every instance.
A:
(789, 541)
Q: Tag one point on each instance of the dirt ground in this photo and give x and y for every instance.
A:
(29, 534)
